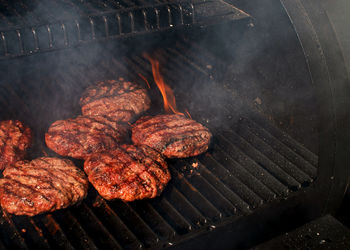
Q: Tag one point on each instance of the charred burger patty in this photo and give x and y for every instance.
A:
(128, 172)
(15, 138)
(175, 136)
(42, 185)
(119, 100)
(84, 135)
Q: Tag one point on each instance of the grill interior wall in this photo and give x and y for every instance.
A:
(250, 163)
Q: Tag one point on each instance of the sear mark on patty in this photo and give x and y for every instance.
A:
(119, 100)
(84, 135)
(175, 136)
(41, 185)
(15, 139)
(128, 173)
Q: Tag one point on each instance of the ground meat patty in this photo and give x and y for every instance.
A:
(15, 138)
(42, 185)
(120, 100)
(175, 136)
(84, 135)
(128, 173)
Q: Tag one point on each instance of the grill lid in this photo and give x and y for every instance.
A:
(33, 27)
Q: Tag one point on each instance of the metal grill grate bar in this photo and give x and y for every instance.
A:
(94, 227)
(30, 232)
(225, 157)
(274, 156)
(229, 165)
(135, 223)
(288, 141)
(75, 232)
(172, 216)
(206, 188)
(180, 59)
(115, 225)
(196, 57)
(177, 63)
(270, 156)
(151, 216)
(223, 189)
(299, 161)
(42, 242)
(192, 194)
(233, 183)
(10, 235)
(244, 153)
(185, 208)
(54, 235)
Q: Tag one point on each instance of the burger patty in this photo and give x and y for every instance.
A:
(15, 138)
(81, 136)
(120, 100)
(128, 172)
(175, 136)
(41, 185)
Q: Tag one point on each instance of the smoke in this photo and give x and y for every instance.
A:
(260, 66)
(213, 71)
(43, 87)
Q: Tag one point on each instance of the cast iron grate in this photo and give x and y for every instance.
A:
(250, 163)
(30, 27)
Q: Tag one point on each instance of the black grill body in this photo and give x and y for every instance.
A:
(271, 85)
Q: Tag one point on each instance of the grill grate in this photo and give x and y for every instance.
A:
(30, 27)
(250, 163)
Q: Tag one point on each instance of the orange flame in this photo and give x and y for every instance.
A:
(188, 114)
(167, 93)
(145, 79)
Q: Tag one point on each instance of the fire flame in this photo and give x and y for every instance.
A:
(145, 79)
(165, 90)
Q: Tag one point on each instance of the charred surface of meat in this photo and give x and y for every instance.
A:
(42, 185)
(84, 135)
(128, 172)
(119, 100)
(15, 139)
(175, 136)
